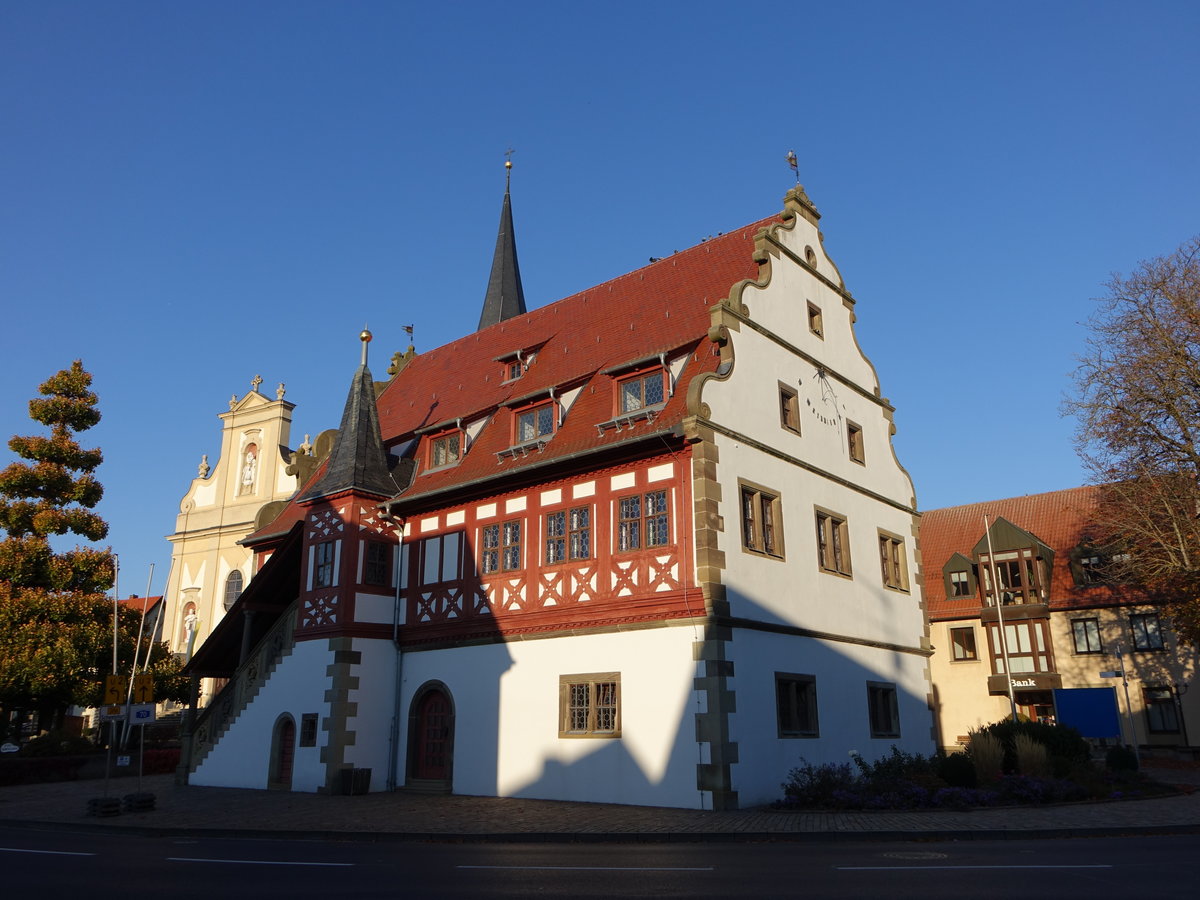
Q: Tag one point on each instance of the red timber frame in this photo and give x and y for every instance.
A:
(350, 522)
(452, 600)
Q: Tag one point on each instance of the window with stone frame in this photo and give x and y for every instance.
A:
(643, 521)
(445, 449)
(1086, 635)
(833, 543)
(789, 408)
(568, 535)
(589, 706)
(308, 729)
(377, 563)
(962, 644)
(883, 709)
(854, 442)
(893, 561)
(641, 391)
(1147, 631)
(323, 555)
(762, 521)
(815, 323)
(534, 424)
(796, 705)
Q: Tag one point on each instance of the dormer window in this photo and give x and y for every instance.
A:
(640, 392)
(445, 449)
(535, 424)
(514, 371)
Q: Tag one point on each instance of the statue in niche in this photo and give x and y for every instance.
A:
(249, 473)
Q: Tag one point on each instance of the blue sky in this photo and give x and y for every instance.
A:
(195, 193)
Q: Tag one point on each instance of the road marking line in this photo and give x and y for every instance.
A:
(596, 868)
(254, 862)
(891, 868)
(45, 852)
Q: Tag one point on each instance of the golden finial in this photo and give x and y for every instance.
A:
(365, 337)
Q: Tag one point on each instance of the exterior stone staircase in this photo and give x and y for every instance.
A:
(215, 719)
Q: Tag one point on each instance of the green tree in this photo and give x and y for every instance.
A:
(56, 625)
(1138, 405)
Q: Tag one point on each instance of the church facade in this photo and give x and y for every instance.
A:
(648, 544)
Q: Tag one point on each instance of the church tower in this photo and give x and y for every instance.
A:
(255, 468)
(505, 297)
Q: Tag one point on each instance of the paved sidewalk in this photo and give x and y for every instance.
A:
(401, 815)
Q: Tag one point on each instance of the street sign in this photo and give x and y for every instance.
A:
(122, 760)
(1111, 673)
(143, 688)
(114, 713)
(141, 714)
(114, 689)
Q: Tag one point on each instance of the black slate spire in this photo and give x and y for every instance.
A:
(505, 296)
(358, 460)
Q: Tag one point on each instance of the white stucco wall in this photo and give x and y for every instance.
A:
(241, 758)
(376, 674)
(506, 708)
(842, 672)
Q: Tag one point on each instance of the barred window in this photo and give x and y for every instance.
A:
(445, 450)
(590, 705)
(638, 393)
(535, 423)
(568, 533)
(490, 542)
(643, 521)
(323, 565)
(377, 563)
(511, 547)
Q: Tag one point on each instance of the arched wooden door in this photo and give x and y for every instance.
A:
(434, 736)
(285, 753)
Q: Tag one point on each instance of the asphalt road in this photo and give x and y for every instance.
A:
(56, 863)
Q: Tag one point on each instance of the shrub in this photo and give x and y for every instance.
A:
(1032, 757)
(1065, 745)
(57, 743)
(987, 755)
(810, 785)
(1121, 759)
(957, 770)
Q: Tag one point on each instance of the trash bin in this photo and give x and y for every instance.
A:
(356, 781)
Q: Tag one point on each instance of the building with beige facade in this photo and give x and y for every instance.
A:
(1019, 601)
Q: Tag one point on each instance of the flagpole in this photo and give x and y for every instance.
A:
(1012, 699)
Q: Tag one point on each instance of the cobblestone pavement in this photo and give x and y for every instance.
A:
(229, 810)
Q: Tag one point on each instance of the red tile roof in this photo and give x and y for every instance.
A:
(659, 308)
(141, 604)
(1059, 519)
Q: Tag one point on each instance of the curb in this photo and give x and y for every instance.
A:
(606, 837)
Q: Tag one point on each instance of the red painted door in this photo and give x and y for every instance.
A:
(433, 737)
(287, 751)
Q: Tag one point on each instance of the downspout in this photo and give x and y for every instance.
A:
(394, 748)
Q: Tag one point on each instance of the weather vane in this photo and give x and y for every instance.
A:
(508, 165)
(794, 163)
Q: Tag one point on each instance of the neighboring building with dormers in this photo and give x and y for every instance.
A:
(1064, 623)
(648, 544)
